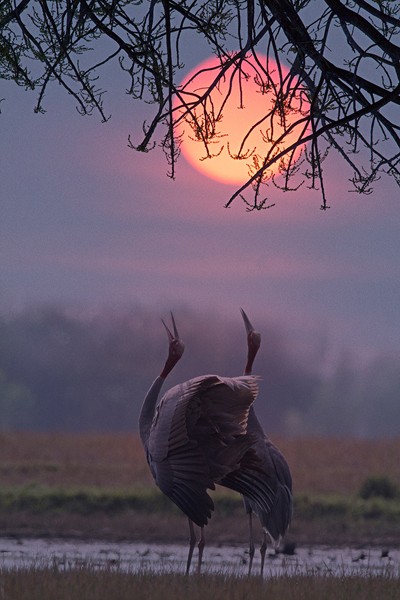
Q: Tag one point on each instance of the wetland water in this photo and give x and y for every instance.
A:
(134, 557)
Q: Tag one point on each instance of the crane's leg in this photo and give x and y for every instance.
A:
(263, 550)
(192, 543)
(201, 544)
(251, 542)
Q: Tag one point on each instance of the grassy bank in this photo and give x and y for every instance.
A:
(87, 583)
(145, 514)
(93, 485)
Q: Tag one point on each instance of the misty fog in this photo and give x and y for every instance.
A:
(68, 371)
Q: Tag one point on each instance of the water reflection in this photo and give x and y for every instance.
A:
(132, 557)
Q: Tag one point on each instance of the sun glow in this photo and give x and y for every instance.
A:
(212, 133)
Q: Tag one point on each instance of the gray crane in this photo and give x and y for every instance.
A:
(195, 436)
(264, 460)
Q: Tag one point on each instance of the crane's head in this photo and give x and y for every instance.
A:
(253, 337)
(253, 342)
(176, 347)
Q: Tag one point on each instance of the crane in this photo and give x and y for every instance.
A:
(194, 436)
(266, 459)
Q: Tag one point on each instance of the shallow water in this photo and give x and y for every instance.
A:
(159, 558)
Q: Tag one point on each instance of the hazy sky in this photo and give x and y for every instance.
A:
(85, 220)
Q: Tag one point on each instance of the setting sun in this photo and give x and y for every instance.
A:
(211, 136)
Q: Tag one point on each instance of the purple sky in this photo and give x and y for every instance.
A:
(85, 220)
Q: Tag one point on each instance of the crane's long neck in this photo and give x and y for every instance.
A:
(253, 422)
(148, 408)
(251, 355)
(249, 364)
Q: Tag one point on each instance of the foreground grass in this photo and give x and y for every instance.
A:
(85, 583)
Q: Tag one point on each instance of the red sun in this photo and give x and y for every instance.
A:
(252, 100)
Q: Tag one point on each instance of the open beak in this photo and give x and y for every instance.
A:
(248, 325)
(171, 336)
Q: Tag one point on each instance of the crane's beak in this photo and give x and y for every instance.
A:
(171, 336)
(248, 325)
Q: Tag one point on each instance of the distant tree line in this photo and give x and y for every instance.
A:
(61, 370)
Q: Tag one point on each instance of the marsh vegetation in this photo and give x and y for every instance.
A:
(98, 486)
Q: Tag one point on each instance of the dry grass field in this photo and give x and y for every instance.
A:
(319, 466)
(115, 464)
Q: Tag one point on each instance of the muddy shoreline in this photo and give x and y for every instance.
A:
(222, 530)
(134, 557)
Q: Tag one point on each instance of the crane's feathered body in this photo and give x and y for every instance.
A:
(197, 436)
(265, 459)
(266, 466)
(204, 432)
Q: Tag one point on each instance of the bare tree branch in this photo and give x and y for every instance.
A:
(344, 76)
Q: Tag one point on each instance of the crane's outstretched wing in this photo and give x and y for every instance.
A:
(224, 405)
(184, 477)
(265, 481)
(196, 436)
(252, 481)
(202, 407)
